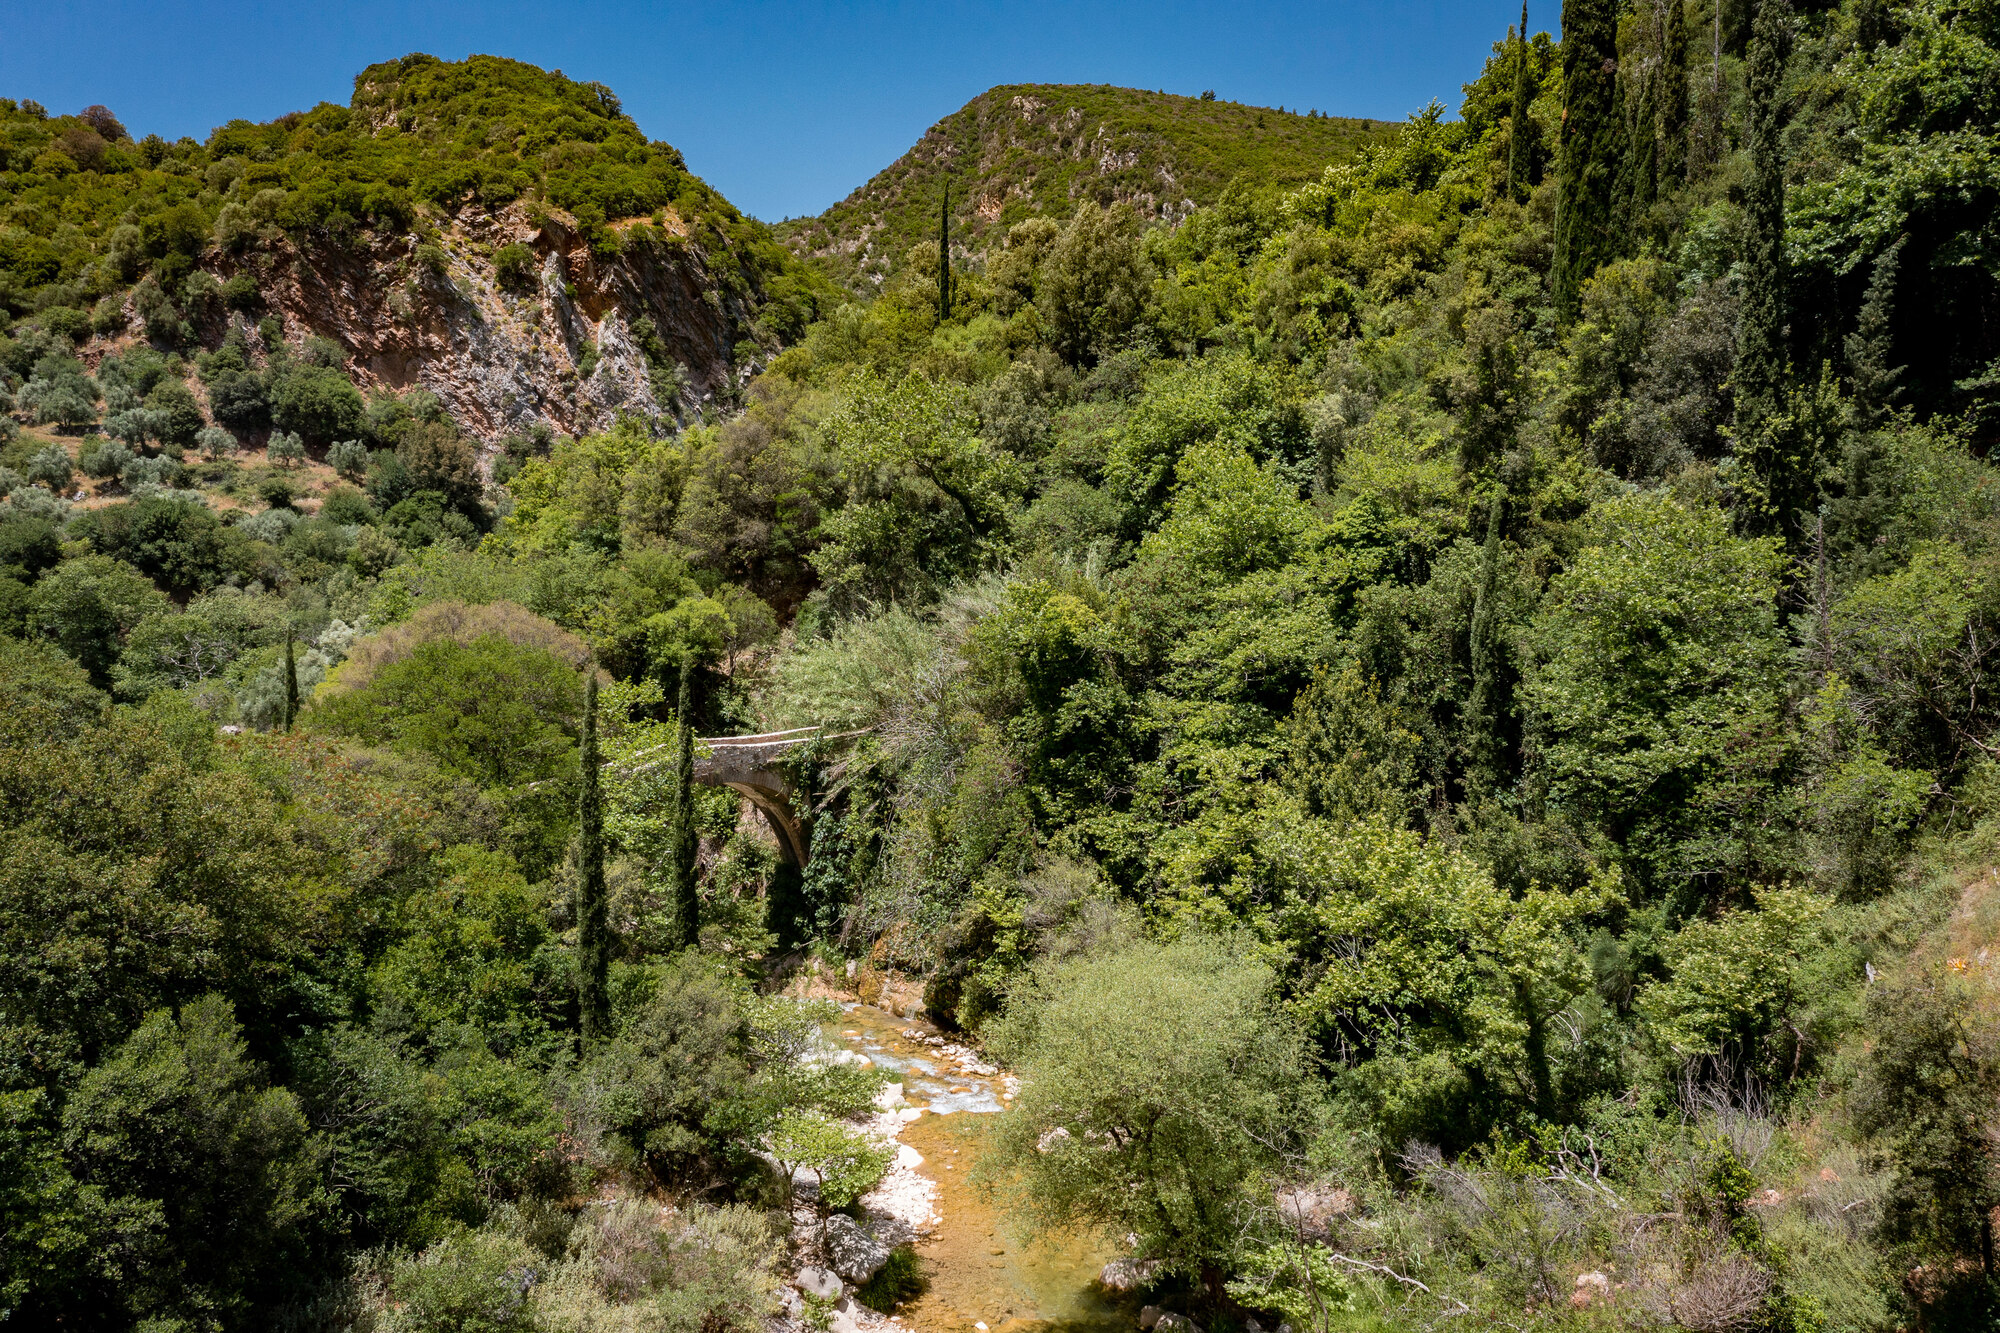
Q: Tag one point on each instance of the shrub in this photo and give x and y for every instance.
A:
(240, 293)
(345, 505)
(474, 1282)
(179, 542)
(316, 402)
(898, 1280)
(514, 267)
(239, 402)
(491, 711)
(177, 416)
(1159, 1044)
(458, 623)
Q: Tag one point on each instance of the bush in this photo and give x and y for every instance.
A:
(1161, 1081)
(178, 418)
(179, 542)
(514, 267)
(178, 1124)
(239, 402)
(898, 1280)
(240, 293)
(316, 402)
(490, 711)
(346, 506)
(474, 1282)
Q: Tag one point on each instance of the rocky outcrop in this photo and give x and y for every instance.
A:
(563, 351)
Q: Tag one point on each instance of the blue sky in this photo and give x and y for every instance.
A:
(784, 107)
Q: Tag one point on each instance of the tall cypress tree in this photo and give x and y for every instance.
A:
(1482, 709)
(944, 256)
(1517, 128)
(680, 834)
(1639, 162)
(291, 682)
(1588, 161)
(1761, 334)
(1673, 97)
(1871, 348)
(593, 935)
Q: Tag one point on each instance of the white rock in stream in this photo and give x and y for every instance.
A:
(909, 1158)
(851, 1251)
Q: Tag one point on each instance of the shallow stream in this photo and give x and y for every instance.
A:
(981, 1272)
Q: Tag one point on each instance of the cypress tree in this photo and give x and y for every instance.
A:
(1761, 335)
(1673, 98)
(944, 256)
(1588, 157)
(291, 682)
(1871, 348)
(593, 935)
(1640, 160)
(1482, 709)
(1517, 130)
(680, 833)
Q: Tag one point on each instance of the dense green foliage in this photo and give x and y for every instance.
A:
(1450, 739)
(1037, 150)
(86, 212)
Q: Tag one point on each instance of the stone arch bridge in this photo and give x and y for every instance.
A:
(752, 766)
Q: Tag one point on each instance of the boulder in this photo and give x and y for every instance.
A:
(1129, 1274)
(1175, 1323)
(852, 1252)
(1149, 1315)
(817, 1282)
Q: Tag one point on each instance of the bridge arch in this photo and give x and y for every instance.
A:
(752, 767)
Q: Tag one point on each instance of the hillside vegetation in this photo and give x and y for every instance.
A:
(1443, 718)
(1040, 149)
(414, 229)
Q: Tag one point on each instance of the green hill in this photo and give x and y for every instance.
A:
(86, 210)
(1039, 148)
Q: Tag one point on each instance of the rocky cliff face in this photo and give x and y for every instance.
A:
(560, 349)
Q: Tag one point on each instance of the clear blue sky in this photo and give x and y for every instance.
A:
(784, 107)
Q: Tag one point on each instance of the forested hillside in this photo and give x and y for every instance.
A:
(1040, 149)
(501, 237)
(1440, 717)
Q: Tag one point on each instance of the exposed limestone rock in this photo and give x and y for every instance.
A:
(501, 361)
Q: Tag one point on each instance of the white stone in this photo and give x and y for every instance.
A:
(818, 1282)
(852, 1252)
